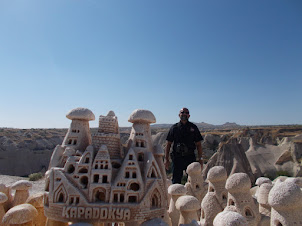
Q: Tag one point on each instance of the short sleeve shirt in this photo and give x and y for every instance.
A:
(184, 133)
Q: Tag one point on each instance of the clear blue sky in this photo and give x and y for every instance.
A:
(227, 61)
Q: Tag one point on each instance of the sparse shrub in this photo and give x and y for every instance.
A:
(35, 176)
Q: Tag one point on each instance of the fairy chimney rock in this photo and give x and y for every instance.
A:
(194, 168)
(238, 186)
(239, 182)
(216, 198)
(188, 206)
(195, 184)
(262, 180)
(3, 199)
(78, 135)
(36, 200)
(262, 198)
(80, 114)
(285, 195)
(22, 193)
(229, 218)
(176, 191)
(142, 116)
(140, 136)
(285, 199)
(217, 173)
(21, 214)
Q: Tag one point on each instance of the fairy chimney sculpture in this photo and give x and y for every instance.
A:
(216, 199)
(96, 180)
(195, 185)
(240, 199)
(285, 199)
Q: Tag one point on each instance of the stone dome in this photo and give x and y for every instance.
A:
(111, 113)
(262, 180)
(177, 189)
(229, 218)
(187, 203)
(238, 182)
(140, 115)
(194, 168)
(80, 114)
(285, 195)
(217, 173)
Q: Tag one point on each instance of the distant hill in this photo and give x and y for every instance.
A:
(202, 126)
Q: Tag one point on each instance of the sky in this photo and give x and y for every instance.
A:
(227, 61)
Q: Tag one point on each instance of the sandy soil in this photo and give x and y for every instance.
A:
(38, 186)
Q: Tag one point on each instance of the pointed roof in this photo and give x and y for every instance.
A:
(102, 153)
(149, 162)
(133, 163)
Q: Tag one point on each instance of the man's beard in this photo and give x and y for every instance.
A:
(184, 118)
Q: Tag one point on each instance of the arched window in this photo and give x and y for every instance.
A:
(84, 181)
(134, 186)
(100, 196)
(83, 170)
(155, 202)
(70, 169)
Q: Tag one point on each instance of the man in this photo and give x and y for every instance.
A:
(185, 137)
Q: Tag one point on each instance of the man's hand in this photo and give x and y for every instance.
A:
(167, 164)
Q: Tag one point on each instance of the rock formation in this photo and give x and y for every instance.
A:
(232, 157)
(268, 159)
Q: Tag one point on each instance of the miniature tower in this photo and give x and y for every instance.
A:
(78, 135)
(240, 199)
(140, 135)
(262, 198)
(195, 185)
(285, 198)
(108, 134)
(216, 198)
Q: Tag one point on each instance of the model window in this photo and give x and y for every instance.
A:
(132, 199)
(104, 179)
(96, 178)
(127, 174)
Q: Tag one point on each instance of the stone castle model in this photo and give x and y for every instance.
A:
(93, 178)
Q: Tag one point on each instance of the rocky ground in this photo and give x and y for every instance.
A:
(30, 149)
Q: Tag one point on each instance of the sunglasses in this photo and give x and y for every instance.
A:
(184, 112)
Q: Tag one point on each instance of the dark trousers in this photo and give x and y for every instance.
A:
(179, 165)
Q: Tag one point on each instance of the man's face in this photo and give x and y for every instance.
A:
(184, 114)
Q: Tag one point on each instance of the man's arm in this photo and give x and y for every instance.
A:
(199, 149)
(167, 155)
